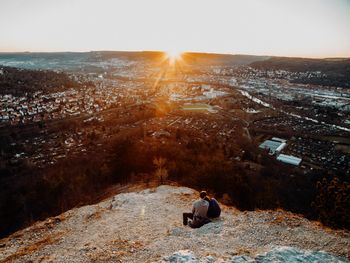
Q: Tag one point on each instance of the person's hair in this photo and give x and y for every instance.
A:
(203, 194)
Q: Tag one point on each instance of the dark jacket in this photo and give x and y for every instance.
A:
(214, 209)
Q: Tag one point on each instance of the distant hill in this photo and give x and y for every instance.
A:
(77, 60)
(337, 70)
(222, 59)
(335, 65)
(128, 55)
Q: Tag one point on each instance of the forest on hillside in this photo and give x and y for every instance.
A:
(29, 193)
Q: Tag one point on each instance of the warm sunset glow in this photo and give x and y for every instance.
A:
(173, 55)
(313, 28)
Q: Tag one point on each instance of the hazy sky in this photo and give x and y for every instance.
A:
(312, 28)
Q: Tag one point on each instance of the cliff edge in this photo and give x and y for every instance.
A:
(146, 226)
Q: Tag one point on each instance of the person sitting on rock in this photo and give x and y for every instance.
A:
(214, 209)
(199, 213)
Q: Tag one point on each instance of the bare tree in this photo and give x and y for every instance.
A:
(161, 171)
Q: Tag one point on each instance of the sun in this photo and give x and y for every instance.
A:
(173, 55)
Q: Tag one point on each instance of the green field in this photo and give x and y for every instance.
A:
(197, 107)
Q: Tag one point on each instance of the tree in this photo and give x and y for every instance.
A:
(161, 171)
(333, 202)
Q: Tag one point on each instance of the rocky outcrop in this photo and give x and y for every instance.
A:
(146, 226)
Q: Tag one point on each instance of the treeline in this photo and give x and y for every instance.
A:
(257, 181)
(19, 82)
(29, 194)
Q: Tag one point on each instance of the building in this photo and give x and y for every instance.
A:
(278, 139)
(281, 147)
(289, 159)
(273, 145)
(212, 94)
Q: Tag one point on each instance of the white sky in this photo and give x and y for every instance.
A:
(311, 28)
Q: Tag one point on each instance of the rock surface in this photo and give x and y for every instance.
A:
(146, 226)
(277, 254)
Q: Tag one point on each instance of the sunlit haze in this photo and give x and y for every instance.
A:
(314, 28)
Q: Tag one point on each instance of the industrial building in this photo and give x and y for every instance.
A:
(289, 159)
(275, 147)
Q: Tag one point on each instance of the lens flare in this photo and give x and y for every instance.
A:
(173, 55)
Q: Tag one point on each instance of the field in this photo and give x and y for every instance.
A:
(197, 107)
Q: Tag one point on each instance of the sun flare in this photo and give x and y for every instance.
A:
(173, 55)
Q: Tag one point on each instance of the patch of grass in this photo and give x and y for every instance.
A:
(196, 107)
(32, 248)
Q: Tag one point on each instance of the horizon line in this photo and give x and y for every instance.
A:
(163, 51)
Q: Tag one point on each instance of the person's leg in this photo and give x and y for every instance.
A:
(197, 223)
(185, 217)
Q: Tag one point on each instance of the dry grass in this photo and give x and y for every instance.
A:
(288, 219)
(117, 189)
(245, 251)
(96, 215)
(32, 248)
